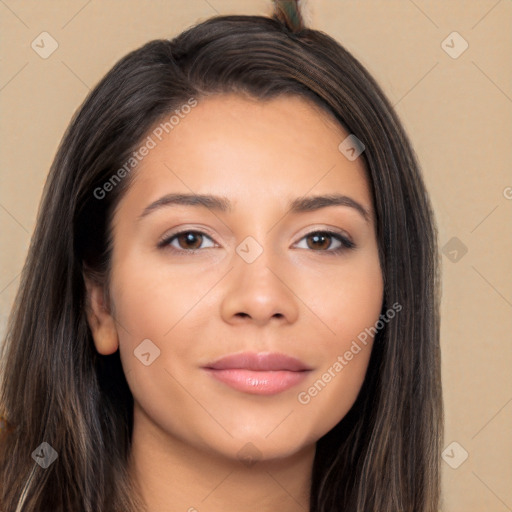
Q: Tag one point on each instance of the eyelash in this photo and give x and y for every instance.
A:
(346, 244)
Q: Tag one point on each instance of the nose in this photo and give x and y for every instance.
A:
(258, 292)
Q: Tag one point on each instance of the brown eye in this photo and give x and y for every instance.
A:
(327, 242)
(185, 241)
(189, 240)
(319, 241)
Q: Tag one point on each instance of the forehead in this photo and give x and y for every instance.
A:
(233, 145)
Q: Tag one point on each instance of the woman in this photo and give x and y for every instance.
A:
(231, 297)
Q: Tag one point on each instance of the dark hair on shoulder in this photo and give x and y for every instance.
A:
(384, 454)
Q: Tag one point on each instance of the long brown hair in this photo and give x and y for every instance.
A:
(384, 454)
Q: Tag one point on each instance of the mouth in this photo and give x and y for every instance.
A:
(259, 374)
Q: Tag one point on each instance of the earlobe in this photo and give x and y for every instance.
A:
(100, 320)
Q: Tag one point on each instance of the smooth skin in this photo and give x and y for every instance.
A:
(297, 297)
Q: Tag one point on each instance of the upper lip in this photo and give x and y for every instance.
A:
(259, 362)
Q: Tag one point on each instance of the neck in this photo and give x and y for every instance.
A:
(173, 475)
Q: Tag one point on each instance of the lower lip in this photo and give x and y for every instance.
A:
(258, 382)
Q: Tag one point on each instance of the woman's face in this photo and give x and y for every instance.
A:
(248, 274)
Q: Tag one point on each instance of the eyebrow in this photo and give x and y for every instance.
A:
(223, 204)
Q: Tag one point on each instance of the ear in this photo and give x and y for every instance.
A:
(99, 318)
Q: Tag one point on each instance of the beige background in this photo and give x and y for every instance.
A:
(458, 112)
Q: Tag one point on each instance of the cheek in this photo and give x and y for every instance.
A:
(348, 303)
(153, 307)
(155, 304)
(150, 300)
(343, 301)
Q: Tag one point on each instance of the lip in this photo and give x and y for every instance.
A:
(260, 374)
(263, 361)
